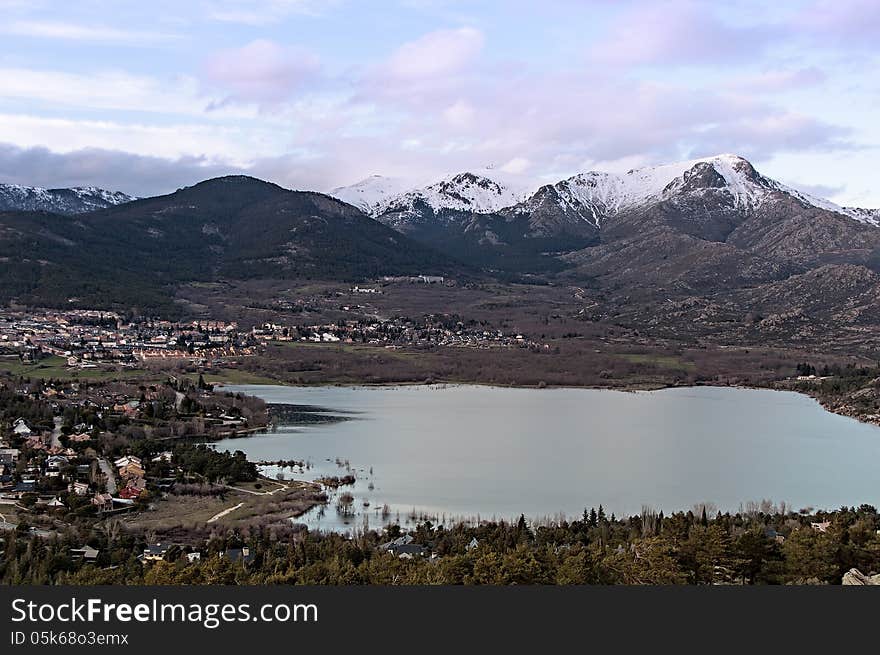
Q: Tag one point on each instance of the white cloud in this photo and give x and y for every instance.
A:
(438, 53)
(774, 81)
(112, 90)
(262, 70)
(517, 165)
(216, 143)
(75, 32)
(262, 12)
(459, 114)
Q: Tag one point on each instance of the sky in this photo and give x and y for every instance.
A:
(147, 97)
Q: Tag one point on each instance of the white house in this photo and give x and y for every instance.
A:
(21, 428)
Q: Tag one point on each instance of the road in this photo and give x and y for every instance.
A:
(56, 433)
(111, 475)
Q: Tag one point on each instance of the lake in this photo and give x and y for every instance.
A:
(473, 451)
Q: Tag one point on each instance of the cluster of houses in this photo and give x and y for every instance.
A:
(432, 330)
(133, 476)
(404, 547)
(40, 465)
(164, 552)
(54, 462)
(89, 338)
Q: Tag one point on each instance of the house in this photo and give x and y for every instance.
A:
(35, 442)
(122, 462)
(193, 557)
(473, 543)
(79, 488)
(56, 462)
(155, 552)
(821, 526)
(9, 455)
(408, 551)
(131, 471)
(104, 502)
(25, 487)
(243, 555)
(130, 493)
(85, 554)
(129, 408)
(20, 428)
(404, 548)
(55, 503)
(402, 540)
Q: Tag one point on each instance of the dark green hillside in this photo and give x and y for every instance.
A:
(134, 255)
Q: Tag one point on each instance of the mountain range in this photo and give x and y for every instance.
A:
(709, 228)
(135, 254)
(76, 200)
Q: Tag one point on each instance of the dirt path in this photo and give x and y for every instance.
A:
(280, 487)
(220, 515)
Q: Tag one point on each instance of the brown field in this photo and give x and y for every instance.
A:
(272, 505)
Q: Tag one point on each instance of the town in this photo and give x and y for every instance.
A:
(91, 339)
(431, 330)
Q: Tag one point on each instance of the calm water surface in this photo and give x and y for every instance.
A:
(467, 451)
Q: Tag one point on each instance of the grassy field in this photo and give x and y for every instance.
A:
(270, 503)
(57, 368)
(234, 376)
(660, 361)
(367, 350)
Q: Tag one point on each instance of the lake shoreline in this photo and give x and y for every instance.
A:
(825, 403)
(718, 430)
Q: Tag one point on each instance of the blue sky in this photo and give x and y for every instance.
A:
(146, 97)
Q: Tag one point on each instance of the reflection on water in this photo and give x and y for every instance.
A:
(447, 452)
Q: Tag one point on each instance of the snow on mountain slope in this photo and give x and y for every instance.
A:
(76, 200)
(486, 191)
(372, 194)
(590, 196)
(482, 193)
(870, 216)
(604, 194)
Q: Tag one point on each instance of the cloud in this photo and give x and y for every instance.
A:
(108, 169)
(435, 54)
(851, 23)
(437, 102)
(774, 81)
(110, 90)
(517, 165)
(682, 32)
(75, 32)
(263, 12)
(171, 141)
(261, 71)
(819, 190)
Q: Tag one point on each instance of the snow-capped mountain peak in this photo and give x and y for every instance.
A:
(591, 196)
(476, 192)
(75, 200)
(484, 191)
(371, 195)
